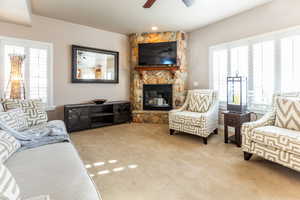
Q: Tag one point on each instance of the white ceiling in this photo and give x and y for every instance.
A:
(128, 16)
(16, 11)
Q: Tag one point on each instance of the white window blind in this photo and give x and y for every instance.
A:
(263, 72)
(220, 59)
(239, 61)
(38, 74)
(270, 62)
(290, 62)
(36, 67)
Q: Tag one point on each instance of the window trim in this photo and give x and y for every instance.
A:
(276, 36)
(30, 44)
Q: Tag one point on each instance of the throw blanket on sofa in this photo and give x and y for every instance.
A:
(43, 134)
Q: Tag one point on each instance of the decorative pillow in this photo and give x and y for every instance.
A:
(8, 186)
(44, 197)
(8, 146)
(1, 107)
(34, 110)
(199, 102)
(288, 113)
(13, 120)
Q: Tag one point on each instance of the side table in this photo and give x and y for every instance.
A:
(235, 120)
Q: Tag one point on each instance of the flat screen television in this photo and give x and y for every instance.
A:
(164, 53)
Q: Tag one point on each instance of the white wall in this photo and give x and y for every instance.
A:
(63, 34)
(279, 14)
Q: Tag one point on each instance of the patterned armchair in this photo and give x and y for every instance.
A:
(198, 115)
(276, 136)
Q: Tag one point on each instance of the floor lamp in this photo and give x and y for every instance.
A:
(15, 88)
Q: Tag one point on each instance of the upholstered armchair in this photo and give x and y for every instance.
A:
(276, 136)
(198, 115)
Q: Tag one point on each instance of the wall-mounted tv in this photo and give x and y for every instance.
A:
(164, 53)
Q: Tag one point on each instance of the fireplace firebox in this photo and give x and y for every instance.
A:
(157, 96)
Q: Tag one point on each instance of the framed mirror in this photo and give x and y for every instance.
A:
(90, 65)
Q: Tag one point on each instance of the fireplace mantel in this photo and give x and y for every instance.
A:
(172, 70)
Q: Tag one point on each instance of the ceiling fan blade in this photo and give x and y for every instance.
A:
(188, 3)
(149, 3)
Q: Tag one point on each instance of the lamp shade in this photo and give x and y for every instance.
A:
(237, 94)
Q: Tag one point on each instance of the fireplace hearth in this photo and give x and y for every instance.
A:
(157, 96)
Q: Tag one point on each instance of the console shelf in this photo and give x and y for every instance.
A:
(86, 116)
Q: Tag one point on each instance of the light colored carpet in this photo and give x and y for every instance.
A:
(143, 162)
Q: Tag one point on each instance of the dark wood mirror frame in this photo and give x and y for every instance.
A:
(75, 48)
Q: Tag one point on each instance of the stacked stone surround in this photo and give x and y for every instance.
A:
(179, 81)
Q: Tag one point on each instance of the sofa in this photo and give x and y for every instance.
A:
(54, 169)
(199, 115)
(276, 136)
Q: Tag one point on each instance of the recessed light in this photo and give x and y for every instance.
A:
(118, 169)
(112, 161)
(132, 166)
(154, 28)
(103, 172)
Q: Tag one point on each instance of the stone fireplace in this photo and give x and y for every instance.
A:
(145, 77)
(157, 97)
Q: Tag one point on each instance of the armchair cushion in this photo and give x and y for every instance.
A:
(188, 118)
(279, 138)
(200, 102)
(288, 113)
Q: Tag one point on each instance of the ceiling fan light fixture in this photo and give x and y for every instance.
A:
(154, 28)
(149, 3)
(188, 3)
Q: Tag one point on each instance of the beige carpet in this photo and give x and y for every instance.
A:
(143, 162)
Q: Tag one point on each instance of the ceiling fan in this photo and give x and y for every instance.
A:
(149, 3)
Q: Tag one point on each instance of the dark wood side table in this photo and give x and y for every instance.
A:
(235, 120)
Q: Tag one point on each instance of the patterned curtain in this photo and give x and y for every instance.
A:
(15, 88)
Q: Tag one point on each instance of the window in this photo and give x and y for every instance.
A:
(239, 61)
(38, 73)
(290, 62)
(270, 63)
(220, 73)
(263, 70)
(36, 67)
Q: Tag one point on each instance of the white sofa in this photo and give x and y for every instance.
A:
(54, 169)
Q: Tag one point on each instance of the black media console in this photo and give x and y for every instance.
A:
(86, 116)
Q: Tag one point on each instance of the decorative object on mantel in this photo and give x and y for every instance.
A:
(90, 65)
(237, 94)
(15, 88)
